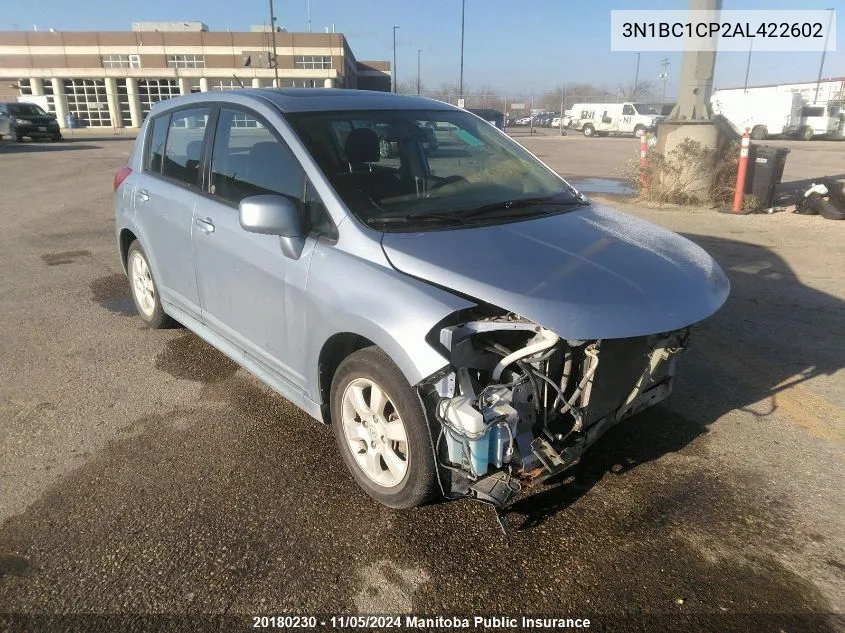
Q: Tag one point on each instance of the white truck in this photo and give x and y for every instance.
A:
(820, 120)
(766, 115)
(601, 119)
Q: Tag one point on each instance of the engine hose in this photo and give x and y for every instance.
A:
(498, 348)
(593, 354)
(564, 379)
(549, 341)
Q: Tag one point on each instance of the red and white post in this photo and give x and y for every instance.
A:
(643, 153)
(740, 174)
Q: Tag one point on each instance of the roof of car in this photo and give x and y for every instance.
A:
(321, 99)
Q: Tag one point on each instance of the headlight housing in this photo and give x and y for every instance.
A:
(21, 122)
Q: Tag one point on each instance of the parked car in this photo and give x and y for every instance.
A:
(493, 117)
(30, 120)
(5, 125)
(465, 321)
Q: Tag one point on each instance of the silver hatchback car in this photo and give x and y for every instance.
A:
(466, 320)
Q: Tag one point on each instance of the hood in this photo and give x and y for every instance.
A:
(586, 274)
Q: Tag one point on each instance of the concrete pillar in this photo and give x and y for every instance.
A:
(184, 86)
(60, 101)
(134, 101)
(37, 86)
(328, 83)
(256, 82)
(113, 101)
(204, 84)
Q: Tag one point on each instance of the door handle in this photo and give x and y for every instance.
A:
(206, 225)
(143, 195)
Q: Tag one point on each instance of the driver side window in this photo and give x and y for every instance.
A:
(249, 160)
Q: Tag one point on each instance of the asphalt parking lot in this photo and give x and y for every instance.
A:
(143, 472)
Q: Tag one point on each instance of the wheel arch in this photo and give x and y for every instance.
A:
(333, 352)
(125, 240)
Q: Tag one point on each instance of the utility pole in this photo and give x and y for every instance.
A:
(395, 82)
(636, 79)
(309, 15)
(463, 15)
(748, 66)
(419, 51)
(824, 52)
(273, 40)
(664, 75)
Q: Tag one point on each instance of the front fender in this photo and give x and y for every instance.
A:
(391, 309)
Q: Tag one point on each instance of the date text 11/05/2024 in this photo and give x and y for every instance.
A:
(418, 622)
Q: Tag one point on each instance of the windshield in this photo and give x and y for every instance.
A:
(644, 108)
(388, 164)
(25, 109)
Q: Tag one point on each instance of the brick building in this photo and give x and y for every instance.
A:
(113, 78)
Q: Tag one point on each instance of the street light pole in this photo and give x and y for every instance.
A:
(664, 75)
(273, 38)
(748, 66)
(463, 15)
(419, 51)
(824, 52)
(636, 78)
(395, 83)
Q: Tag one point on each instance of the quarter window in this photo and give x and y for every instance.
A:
(158, 135)
(248, 160)
(183, 148)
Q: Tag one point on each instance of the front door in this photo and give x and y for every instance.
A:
(251, 293)
(165, 194)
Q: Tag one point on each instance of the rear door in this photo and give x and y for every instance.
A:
(165, 194)
(251, 293)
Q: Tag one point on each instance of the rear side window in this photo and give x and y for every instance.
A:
(183, 147)
(158, 134)
(248, 160)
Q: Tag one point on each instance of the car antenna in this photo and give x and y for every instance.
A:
(238, 80)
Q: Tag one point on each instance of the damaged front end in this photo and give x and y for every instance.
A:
(518, 404)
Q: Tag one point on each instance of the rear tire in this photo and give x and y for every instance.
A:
(382, 431)
(144, 289)
(589, 130)
(759, 133)
(806, 133)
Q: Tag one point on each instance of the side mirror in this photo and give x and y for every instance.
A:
(275, 215)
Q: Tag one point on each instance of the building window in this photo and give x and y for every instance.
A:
(301, 83)
(186, 61)
(121, 61)
(225, 84)
(151, 91)
(86, 100)
(123, 103)
(312, 62)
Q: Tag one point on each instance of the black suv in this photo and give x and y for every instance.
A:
(28, 119)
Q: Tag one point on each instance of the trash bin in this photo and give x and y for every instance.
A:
(765, 171)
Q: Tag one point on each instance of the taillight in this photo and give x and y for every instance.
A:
(121, 175)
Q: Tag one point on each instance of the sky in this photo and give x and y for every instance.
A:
(515, 48)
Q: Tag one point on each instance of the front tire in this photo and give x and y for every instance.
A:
(382, 431)
(639, 130)
(806, 133)
(144, 289)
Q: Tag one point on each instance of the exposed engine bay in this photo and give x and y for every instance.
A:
(519, 404)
